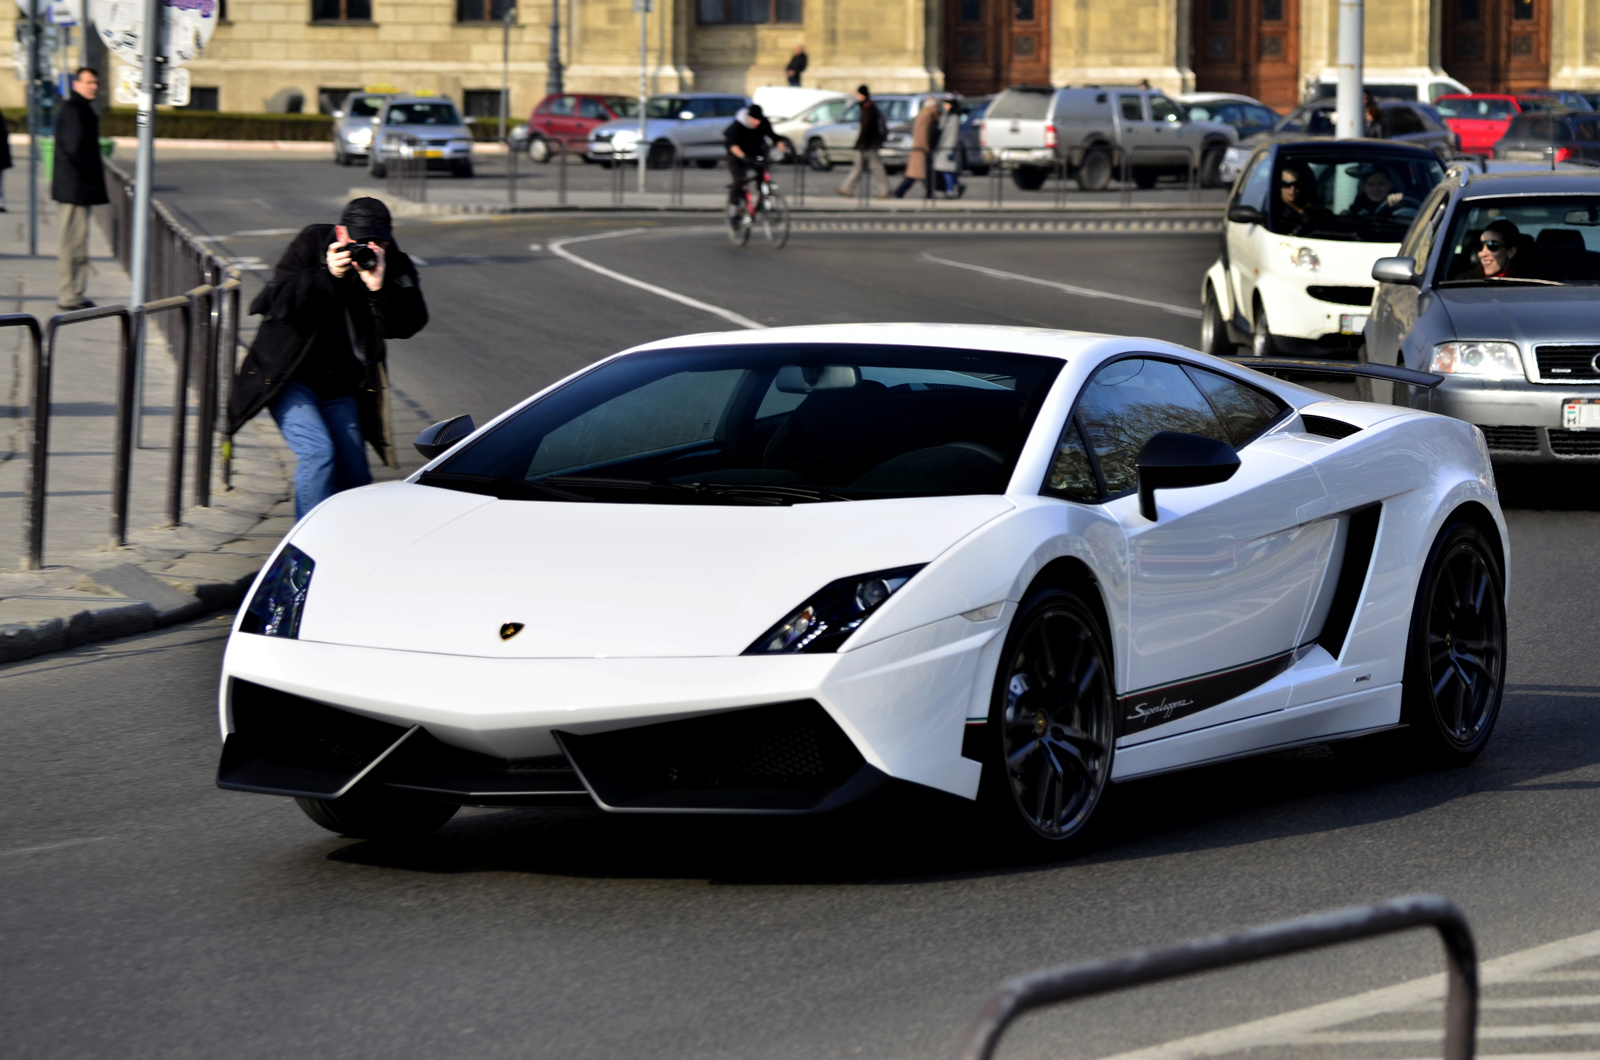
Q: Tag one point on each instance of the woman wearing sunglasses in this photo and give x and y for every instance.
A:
(1497, 247)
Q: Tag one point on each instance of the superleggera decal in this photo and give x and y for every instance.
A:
(1150, 707)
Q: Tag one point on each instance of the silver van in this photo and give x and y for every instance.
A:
(1095, 130)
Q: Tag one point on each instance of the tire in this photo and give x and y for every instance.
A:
(1029, 178)
(1145, 178)
(540, 151)
(463, 170)
(379, 170)
(606, 163)
(706, 163)
(1211, 167)
(817, 156)
(378, 816)
(979, 170)
(1213, 329)
(339, 157)
(1261, 343)
(1456, 650)
(1050, 725)
(774, 220)
(1094, 173)
(661, 156)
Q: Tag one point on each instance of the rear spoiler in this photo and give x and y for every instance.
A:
(1363, 369)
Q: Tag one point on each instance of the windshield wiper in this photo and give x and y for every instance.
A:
(506, 489)
(756, 492)
(755, 489)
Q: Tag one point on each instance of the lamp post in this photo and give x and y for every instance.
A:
(552, 83)
(505, 68)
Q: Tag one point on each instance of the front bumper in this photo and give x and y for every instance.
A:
(1307, 325)
(899, 706)
(1521, 421)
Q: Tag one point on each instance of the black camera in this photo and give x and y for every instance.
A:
(362, 256)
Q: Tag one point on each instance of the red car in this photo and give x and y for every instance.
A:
(564, 119)
(1481, 119)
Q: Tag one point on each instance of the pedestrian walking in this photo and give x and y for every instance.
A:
(947, 156)
(869, 141)
(78, 184)
(5, 159)
(924, 135)
(318, 360)
(797, 65)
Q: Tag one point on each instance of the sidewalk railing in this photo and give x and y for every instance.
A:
(406, 169)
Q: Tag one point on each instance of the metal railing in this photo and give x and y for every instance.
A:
(406, 170)
(1038, 989)
(1129, 176)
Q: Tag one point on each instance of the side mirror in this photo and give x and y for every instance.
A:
(442, 435)
(1246, 215)
(1396, 270)
(1174, 460)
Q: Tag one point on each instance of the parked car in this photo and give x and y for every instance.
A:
(972, 110)
(1569, 100)
(795, 129)
(783, 102)
(1554, 136)
(353, 124)
(1424, 88)
(565, 121)
(1520, 352)
(1481, 118)
(1031, 130)
(440, 134)
(1405, 121)
(835, 142)
(1304, 225)
(687, 127)
(1247, 116)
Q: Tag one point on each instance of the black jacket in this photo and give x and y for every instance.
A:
(305, 306)
(5, 144)
(874, 130)
(797, 64)
(753, 142)
(78, 175)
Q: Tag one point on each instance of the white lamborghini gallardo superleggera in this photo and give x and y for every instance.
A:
(775, 571)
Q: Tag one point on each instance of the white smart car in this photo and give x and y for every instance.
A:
(1305, 223)
(775, 571)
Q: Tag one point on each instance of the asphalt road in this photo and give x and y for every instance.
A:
(145, 912)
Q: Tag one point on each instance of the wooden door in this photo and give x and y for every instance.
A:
(1248, 46)
(1497, 45)
(994, 44)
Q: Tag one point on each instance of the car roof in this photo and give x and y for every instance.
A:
(1480, 95)
(419, 99)
(1545, 182)
(1215, 97)
(1039, 342)
(1362, 146)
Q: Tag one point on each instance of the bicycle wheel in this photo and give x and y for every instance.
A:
(738, 224)
(775, 219)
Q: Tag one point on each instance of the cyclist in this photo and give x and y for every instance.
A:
(747, 138)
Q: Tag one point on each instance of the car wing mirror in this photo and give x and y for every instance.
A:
(1396, 270)
(442, 435)
(1174, 460)
(1246, 215)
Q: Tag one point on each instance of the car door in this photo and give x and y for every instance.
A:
(1395, 306)
(1167, 130)
(1137, 138)
(1244, 241)
(1220, 585)
(840, 137)
(591, 112)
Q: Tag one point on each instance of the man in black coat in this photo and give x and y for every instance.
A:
(5, 159)
(797, 65)
(873, 132)
(317, 362)
(78, 183)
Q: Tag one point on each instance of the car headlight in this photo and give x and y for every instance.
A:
(1234, 157)
(625, 138)
(361, 136)
(274, 610)
(826, 620)
(1299, 257)
(1488, 360)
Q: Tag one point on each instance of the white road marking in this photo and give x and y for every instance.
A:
(420, 263)
(1436, 1034)
(535, 246)
(1536, 964)
(268, 231)
(52, 846)
(1567, 1001)
(558, 247)
(1565, 977)
(1081, 292)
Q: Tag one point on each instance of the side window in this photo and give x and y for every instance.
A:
(1129, 402)
(1071, 475)
(591, 108)
(1257, 185)
(1163, 109)
(1402, 121)
(1132, 108)
(1245, 411)
(852, 113)
(830, 111)
(561, 107)
(727, 108)
(1419, 242)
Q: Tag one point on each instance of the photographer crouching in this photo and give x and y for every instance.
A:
(317, 362)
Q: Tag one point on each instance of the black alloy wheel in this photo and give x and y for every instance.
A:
(1211, 167)
(361, 815)
(1051, 737)
(1213, 329)
(1455, 658)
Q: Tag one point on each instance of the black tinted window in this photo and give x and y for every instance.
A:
(1402, 121)
(1129, 402)
(1245, 411)
(422, 114)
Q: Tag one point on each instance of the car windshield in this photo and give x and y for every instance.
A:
(365, 106)
(1524, 240)
(765, 425)
(422, 114)
(1331, 195)
(1312, 121)
(623, 106)
(1477, 109)
(664, 107)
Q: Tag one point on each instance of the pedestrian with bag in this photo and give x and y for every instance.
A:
(869, 141)
(797, 66)
(318, 360)
(947, 157)
(924, 133)
(77, 184)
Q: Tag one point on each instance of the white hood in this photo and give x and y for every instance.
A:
(417, 568)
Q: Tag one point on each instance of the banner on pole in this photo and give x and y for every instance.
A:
(189, 25)
(126, 91)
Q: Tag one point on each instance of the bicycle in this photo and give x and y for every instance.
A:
(763, 205)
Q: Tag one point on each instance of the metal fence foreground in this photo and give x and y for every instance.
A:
(1038, 989)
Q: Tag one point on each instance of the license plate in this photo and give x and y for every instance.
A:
(1581, 414)
(1352, 323)
(433, 154)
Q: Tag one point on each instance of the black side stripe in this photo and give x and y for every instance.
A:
(1150, 707)
(1358, 545)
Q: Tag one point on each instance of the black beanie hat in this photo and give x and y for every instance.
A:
(367, 219)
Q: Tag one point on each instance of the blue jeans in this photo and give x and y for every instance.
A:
(326, 438)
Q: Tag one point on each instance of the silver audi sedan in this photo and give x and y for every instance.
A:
(1497, 288)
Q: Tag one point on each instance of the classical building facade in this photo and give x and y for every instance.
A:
(268, 52)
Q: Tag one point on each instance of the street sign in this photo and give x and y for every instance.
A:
(189, 25)
(643, 7)
(126, 91)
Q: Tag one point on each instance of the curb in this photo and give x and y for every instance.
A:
(1132, 224)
